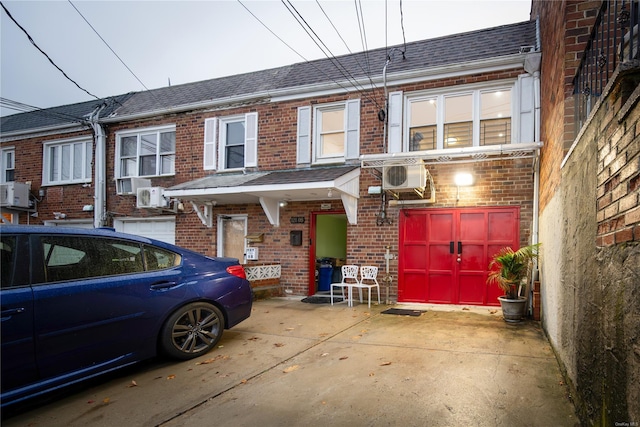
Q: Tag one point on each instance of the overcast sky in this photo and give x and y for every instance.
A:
(188, 41)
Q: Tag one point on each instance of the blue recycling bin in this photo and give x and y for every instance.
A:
(324, 278)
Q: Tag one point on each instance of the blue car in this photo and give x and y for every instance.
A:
(79, 303)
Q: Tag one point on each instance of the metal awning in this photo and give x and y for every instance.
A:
(271, 188)
(453, 155)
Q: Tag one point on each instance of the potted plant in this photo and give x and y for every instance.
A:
(509, 269)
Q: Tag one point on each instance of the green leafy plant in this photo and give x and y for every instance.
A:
(508, 268)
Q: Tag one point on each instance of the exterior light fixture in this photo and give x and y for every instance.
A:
(283, 203)
(462, 179)
(329, 193)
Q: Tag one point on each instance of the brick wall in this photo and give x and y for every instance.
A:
(618, 139)
(565, 29)
(504, 182)
(68, 199)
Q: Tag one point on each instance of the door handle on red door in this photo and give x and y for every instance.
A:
(459, 248)
(450, 247)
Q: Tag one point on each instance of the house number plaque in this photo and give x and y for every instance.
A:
(297, 220)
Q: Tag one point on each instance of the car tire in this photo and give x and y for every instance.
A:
(192, 330)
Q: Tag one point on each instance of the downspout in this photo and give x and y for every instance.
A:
(384, 114)
(536, 138)
(536, 171)
(535, 276)
(536, 181)
(100, 166)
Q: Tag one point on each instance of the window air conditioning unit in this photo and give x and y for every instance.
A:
(150, 197)
(14, 194)
(399, 177)
(131, 185)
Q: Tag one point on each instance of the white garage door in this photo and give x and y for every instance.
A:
(163, 229)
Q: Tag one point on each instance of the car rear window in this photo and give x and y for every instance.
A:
(79, 257)
(159, 259)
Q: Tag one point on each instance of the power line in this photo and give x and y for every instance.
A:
(44, 53)
(402, 25)
(114, 52)
(363, 32)
(341, 68)
(107, 44)
(292, 49)
(26, 108)
(346, 45)
(274, 34)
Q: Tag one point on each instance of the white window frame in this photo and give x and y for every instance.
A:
(8, 156)
(138, 133)
(70, 146)
(214, 149)
(351, 131)
(222, 152)
(441, 94)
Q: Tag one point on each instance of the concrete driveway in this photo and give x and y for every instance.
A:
(298, 364)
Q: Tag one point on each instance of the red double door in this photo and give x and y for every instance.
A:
(444, 253)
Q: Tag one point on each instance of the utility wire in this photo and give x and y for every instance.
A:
(292, 49)
(341, 68)
(317, 39)
(26, 108)
(116, 55)
(107, 44)
(346, 45)
(404, 39)
(44, 53)
(274, 34)
(363, 33)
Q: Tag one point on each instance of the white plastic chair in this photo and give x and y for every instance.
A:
(349, 279)
(368, 280)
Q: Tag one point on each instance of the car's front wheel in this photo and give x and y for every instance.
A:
(192, 330)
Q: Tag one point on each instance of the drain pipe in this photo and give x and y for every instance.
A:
(384, 114)
(536, 181)
(100, 160)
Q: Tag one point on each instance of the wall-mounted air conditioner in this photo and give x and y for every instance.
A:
(400, 177)
(14, 194)
(130, 185)
(150, 197)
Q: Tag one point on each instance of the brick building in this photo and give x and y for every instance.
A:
(302, 166)
(305, 165)
(590, 200)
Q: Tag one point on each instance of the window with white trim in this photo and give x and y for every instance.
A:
(235, 141)
(332, 135)
(330, 132)
(232, 141)
(495, 117)
(450, 120)
(7, 164)
(67, 162)
(146, 153)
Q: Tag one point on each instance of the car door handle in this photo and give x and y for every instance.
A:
(12, 311)
(163, 286)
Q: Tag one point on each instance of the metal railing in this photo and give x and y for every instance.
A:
(614, 39)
